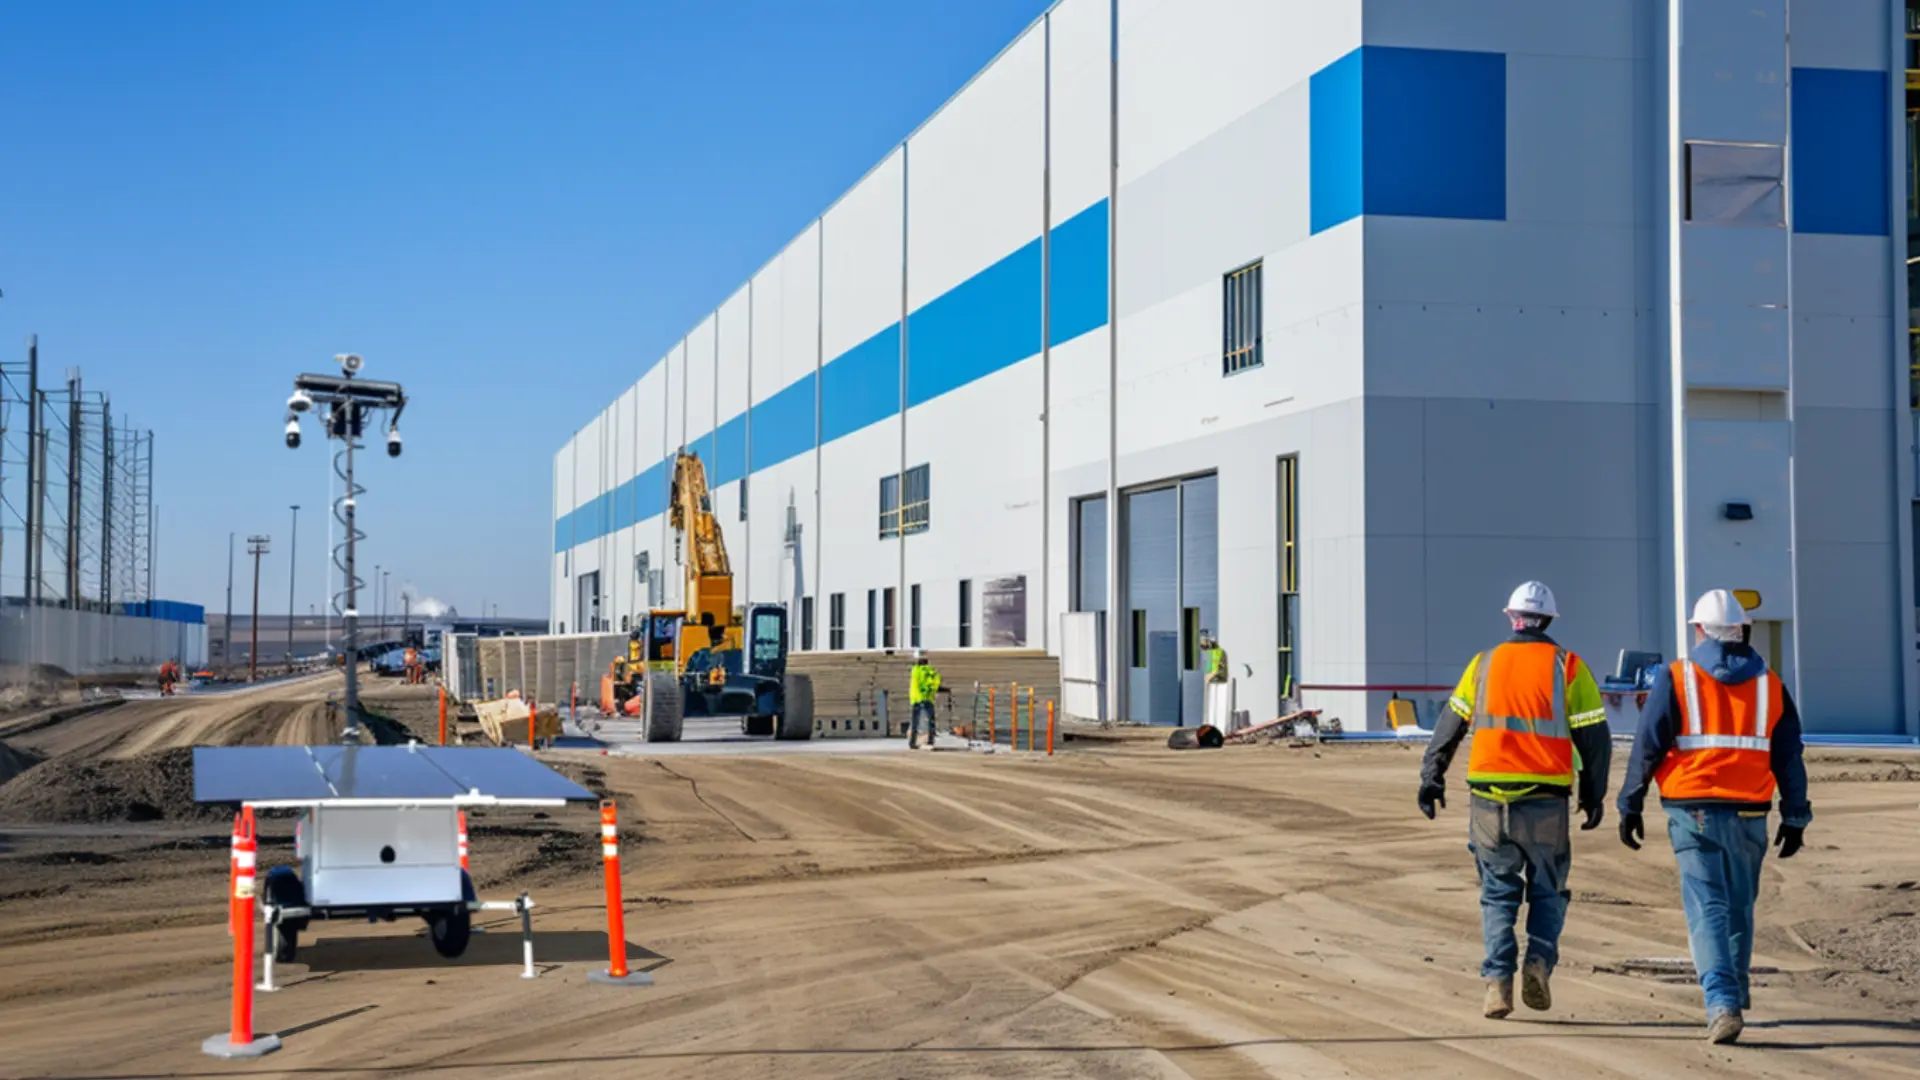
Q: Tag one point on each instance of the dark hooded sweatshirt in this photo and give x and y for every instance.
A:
(1660, 723)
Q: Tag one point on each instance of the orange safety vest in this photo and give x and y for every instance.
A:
(1519, 722)
(411, 658)
(1725, 748)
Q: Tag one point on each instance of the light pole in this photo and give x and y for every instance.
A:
(293, 572)
(379, 624)
(349, 402)
(384, 574)
(226, 628)
(256, 547)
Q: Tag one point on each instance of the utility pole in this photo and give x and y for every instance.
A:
(293, 572)
(226, 628)
(106, 503)
(35, 462)
(379, 602)
(256, 547)
(384, 575)
(75, 436)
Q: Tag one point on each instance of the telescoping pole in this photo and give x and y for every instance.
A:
(616, 973)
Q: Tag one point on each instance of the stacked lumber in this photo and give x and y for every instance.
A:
(845, 684)
(503, 722)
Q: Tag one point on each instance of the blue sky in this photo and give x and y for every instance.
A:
(510, 208)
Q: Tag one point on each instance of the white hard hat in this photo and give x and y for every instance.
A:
(1533, 598)
(1718, 610)
(919, 654)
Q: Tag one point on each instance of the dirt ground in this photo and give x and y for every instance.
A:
(1122, 911)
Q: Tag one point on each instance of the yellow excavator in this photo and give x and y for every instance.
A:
(708, 658)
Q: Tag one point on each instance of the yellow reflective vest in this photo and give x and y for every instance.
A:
(926, 682)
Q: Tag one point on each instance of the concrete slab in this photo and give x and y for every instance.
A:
(705, 737)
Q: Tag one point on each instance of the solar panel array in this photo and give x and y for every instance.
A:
(223, 774)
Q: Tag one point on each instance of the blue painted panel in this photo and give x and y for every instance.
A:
(861, 386)
(1079, 272)
(563, 533)
(1336, 154)
(988, 322)
(1840, 152)
(650, 490)
(1436, 133)
(783, 425)
(729, 462)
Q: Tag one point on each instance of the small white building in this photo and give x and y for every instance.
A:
(1416, 299)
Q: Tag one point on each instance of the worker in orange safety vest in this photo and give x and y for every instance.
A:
(1720, 735)
(1539, 738)
(413, 665)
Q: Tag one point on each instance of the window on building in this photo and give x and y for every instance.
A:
(913, 616)
(1190, 639)
(1735, 184)
(743, 498)
(1289, 500)
(837, 621)
(1137, 641)
(904, 502)
(1241, 312)
(806, 623)
(1090, 554)
(623, 624)
(966, 613)
(888, 607)
(873, 618)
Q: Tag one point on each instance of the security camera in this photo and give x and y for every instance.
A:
(350, 363)
(300, 401)
(293, 433)
(393, 444)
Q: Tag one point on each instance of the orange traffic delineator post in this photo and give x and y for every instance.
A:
(1049, 727)
(533, 722)
(463, 841)
(1029, 718)
(443, 716)
(240, 1041)
(617, 973)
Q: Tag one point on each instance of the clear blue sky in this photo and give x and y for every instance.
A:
(509, 207)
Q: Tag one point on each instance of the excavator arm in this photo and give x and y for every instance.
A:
(709, 593)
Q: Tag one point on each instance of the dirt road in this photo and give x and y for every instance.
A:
(1127, 913)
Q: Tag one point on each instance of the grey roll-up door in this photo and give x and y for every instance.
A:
(1152, 602)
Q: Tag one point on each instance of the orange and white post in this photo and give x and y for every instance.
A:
(1049, 727)
(617, 973)
(240, 1041)
(443, 715)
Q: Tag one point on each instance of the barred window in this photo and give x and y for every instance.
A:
(910, 512)
(1241, 299)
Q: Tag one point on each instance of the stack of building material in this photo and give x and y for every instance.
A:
(846, 684)
(503, 722)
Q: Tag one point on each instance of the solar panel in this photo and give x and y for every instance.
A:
(300, 773)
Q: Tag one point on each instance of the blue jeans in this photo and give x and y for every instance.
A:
(923, 708)
(1720, 850)
(1524, 851)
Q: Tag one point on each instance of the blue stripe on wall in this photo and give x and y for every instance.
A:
(1840, 152)
(1409, 133)
(985, 324)
(861, 386)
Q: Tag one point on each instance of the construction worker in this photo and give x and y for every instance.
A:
(1719, 734)
(1216, 657)
(1539, 737)
(925, 684)
(169, 674)
(412, 658)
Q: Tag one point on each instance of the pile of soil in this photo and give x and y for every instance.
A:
(156, 786)
(14, 762)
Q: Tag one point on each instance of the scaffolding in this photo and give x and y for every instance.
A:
(77, 516)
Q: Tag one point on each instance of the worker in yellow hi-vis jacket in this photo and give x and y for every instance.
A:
(926, 683)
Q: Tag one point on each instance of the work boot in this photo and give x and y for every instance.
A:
(913, 740)
(1533, 985)
(1499, 998)
(1724, 1026)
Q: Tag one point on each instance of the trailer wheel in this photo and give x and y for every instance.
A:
(666, 711)
(452, 928)
(796, 719)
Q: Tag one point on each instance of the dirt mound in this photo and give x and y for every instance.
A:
(14, 762)
(148, 787)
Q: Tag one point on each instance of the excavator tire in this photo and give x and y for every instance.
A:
(796, 722)
(666, 712)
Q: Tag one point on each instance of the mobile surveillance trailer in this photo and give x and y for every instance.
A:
(378, 834)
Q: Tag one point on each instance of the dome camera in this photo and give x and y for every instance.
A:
(350, 363)
(293, 433)
(393, 444)
(300, 401)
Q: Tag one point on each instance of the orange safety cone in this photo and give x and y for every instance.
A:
(617, 973)
(240, 1041)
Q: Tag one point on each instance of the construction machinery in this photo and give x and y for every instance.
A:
(708, 658)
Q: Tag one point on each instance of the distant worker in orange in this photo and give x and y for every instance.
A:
(1539, 740)
(413, 665)
(169, 674)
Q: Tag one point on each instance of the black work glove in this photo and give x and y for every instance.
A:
(1595, 814)
(1790, 839)
(1432, 795)
(1632, 829)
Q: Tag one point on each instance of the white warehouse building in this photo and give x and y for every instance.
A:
(1321, 324)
